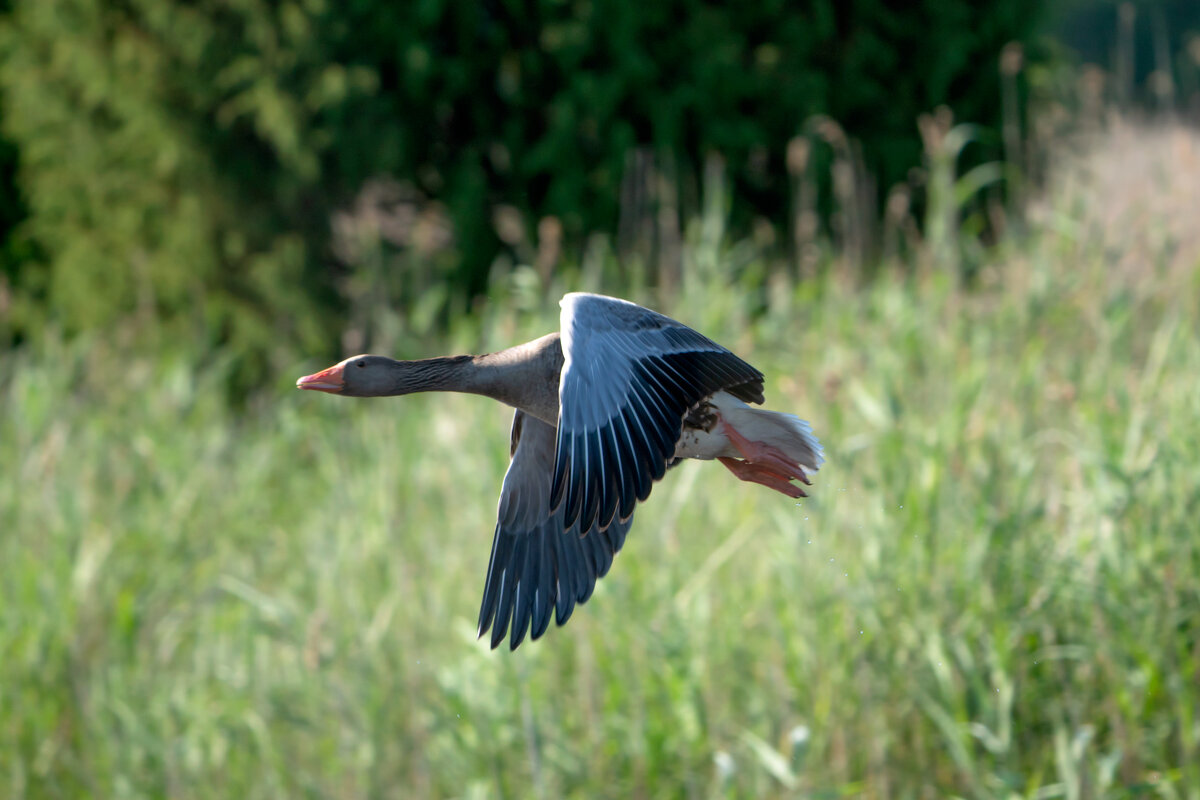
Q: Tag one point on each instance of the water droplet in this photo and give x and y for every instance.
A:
(724, 763)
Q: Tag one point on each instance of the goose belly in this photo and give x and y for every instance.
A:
(704, 445)
(703, 435)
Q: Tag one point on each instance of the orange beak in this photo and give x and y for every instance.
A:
(327, 380)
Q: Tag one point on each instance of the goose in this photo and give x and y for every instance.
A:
(603, 408)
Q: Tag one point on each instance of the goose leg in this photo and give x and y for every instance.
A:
(764, 464)
(756, 473)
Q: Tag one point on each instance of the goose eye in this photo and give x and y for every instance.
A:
(360, 364)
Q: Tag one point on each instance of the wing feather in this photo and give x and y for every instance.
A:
(629, 377)
(540, 567)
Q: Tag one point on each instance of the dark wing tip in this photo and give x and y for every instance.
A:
(542, 574)
(520, 593)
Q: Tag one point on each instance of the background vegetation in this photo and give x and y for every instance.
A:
(992, 593)
(214, 586)
(181, 163)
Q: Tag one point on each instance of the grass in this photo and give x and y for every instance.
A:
(994, 591)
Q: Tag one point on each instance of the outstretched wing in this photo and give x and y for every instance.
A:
(629, 376)
(539, 562)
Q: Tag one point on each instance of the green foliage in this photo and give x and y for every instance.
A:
(169, 174)
(182, 162)
(993, 592)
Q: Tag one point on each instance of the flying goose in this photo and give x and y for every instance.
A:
(603, 408)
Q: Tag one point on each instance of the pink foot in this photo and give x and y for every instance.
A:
(766, 456)
(755, 473)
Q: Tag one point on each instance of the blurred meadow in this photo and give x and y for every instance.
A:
(212, 591)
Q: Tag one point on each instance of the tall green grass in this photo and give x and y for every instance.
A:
(994, 591)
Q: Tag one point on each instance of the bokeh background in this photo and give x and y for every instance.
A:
(961, 237)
